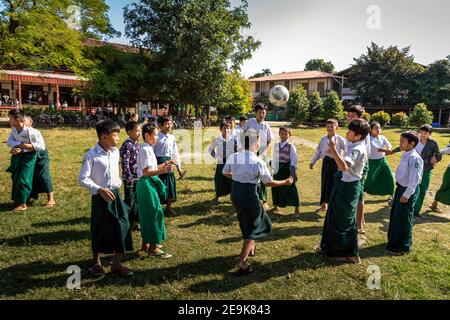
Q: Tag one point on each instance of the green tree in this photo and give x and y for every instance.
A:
(383, 75)
(316, 108)
(263, 73)
(383, 118)
(333, 107)
(236, 97)
(420, 116)
(433, 85)
(298, 105)
(320, 65)
(400, 119)
(36, 34)
(194, 44)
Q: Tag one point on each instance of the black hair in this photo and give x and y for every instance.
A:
(333, 121)
(249, 138)
(148, 128)
(16, 114)
(27, 115)
(411, 136)
(163, 119)
(358, 109)
(229, 118)
(223, 124)
(243, 119)
(131, 125)
(283, 128)
(260, 106)
(360, 127)
(106, 127)
(373, 124)
(426, 128)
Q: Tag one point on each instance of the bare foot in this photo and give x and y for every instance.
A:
(50, 204)
(266, 206)
(20, 208)
(321, 209)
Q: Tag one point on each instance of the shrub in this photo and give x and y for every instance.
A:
(420, 116)
(315, 107)
(298, 105)
(400, 119)
(382, 117)
(366, 116)
(333, 108)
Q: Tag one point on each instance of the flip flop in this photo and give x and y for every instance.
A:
(122, 271)
(96, 271)
(162, 255)
(435, 209)
(244, 272)
(318, 249)
(50, 205)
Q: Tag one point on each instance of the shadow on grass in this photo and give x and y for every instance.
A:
(191, 192)
(427, 217)
(46, 238)
(6, 207)
(202, 208)
(288, 217)
(279, 234)
(71, 222)
(197, 178)
(214, 220)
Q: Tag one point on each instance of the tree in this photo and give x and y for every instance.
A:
(384, 75)
(315, 107)
(433, 85)
(194, 44)
(264, 73)
(237, 97)
(320, 65)
(36, 34)
(420, 116)
(298, 105)
(333, 107)
(383, 118)
(400, 119)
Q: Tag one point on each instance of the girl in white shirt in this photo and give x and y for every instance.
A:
(443, 194)
(380, 180)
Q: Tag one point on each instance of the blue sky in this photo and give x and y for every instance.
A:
(294, 31)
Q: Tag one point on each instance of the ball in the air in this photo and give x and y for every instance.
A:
(279, 96)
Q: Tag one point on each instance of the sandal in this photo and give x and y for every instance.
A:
(122, 271)
(435, 209)
(244, 272)
(318, 249)
(361, 231)
(162, 254)
(96, 271)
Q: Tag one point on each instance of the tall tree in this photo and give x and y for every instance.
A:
(384, 75)
(263, 73)
(49, 34)
(194, 44)
(320, 65)
(236, 97)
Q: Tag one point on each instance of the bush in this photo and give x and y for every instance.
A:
(315, 107)
(366, 116)
(298, 105)
(400, 119)
(382, 117)
(420, 116)
(343, 118)
(333, 108)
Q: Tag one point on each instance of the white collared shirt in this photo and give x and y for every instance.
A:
(356, 158)
(265, 132)
(322, 148)
(167, 147)
(218, 147)
(27, 135)
(100, 169)
(446, 151)
(292, 153)
(409, 172)
(419, 147)
(246, 167)
(146, 159)
(379, 143)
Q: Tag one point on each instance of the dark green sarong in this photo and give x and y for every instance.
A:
(130, 200)
(253, 220)
(443, 194)
(169, 181)
(22, 173)
(285, 196)
(329, 170)
(424, 185)
(42, 181)
(151, 216)
(110, 227)
(380, 180)
(363, 181)
(340, 233)
(222, 184)
(262, 191)
(401, 222)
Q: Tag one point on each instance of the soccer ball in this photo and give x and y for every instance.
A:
(279, 96)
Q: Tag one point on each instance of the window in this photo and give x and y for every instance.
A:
(287, 84)
(271, 84)
(321, 88)
(258, 87)
(306, 87)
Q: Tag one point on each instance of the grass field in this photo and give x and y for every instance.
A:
(37, 246)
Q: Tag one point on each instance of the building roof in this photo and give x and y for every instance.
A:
(117, 46)
(295, 75)
(40, 77)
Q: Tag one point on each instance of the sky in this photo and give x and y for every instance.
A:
(295, 31)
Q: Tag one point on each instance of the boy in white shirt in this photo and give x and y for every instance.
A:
(340, 232)
(408, 176)
(110, 227)
(24, 142)
(329, 166)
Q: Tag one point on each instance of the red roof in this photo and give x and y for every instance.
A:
(117, 46)
(295, 75)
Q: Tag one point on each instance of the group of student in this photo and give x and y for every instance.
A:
(351, 166)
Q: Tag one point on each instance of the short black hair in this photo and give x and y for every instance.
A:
(358, 109)
(284, 128)
(373, 124)
(148, 128)
(243, 119)
(16, 114)
(260, 106)
(229, 118)
(249, 138)
(163, 119)
(360, 127)
(333, 121)
(426, 128)
(131, 125)
(106, 127)
(223, 124)
(411, 136)
(27, 115)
